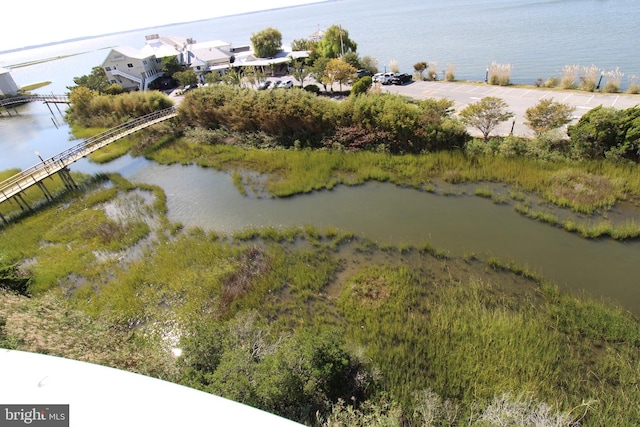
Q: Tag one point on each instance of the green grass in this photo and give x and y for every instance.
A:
(584, 187)
(63, 237)
(419, 317)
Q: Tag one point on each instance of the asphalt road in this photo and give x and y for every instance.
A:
(518, 99)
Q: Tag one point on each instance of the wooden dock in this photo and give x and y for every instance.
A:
(14, 186)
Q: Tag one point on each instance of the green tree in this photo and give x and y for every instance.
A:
(96, 81)
(595, 132)
(213, 78)
(232, 77)
(317, 70)
(485, 115)
(352, 59)
(607, 132)
(266, 43)
(547, 115)
(170, 65)
(303, 44)
(362, 85)
(369, 63)
(339, 71)
(113, 89)
(299, 70)
(80, 98)
(336, 43)
(186, 77)
(420, 68)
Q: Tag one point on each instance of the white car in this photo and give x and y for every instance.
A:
(286, 84)
(383, 78)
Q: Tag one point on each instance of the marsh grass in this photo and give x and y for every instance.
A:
(569, 75)
(114, 150)
(238, 182)
(587, 187)
(49, 324)
(62, 238)
(588, 78)
(499, 74)
(422, 325)
(583, 192)
(478, 326)
(516, 268)
(34, 197)
(293, 172)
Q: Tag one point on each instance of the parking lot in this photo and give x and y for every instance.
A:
(518, 99)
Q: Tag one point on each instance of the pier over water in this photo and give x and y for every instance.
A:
(11, 188)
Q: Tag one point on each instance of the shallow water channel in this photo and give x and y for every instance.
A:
(460, 224)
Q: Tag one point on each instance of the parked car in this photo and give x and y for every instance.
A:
(264, 85)
(276, 84)
(362, 72)
(187, 88)
(286, 84)
(400, 79)
(384, 78)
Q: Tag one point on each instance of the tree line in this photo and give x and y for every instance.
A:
(367, 120)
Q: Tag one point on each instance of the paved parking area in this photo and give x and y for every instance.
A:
(518, 99)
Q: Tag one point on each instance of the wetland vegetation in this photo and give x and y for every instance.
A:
(316, 325)
(322, 326)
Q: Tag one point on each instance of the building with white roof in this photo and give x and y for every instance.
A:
(131, 68)
(136, 69)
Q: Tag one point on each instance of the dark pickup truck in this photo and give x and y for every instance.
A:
(400, 79)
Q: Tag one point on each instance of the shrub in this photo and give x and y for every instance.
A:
(451, 72)
(312, 88)
(499, 74)
(12, 279)
(569, 74)
(614, 79)
(588, 78)
(91, 110)
(362, 85)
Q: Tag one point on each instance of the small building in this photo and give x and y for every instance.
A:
(277, 64)
(8, 87)
(209, 56)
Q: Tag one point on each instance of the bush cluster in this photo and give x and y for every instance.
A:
(296, 117)
(90, 109)
(606, 132)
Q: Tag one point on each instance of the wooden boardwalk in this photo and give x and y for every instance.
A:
(16, 100)
(34, 175)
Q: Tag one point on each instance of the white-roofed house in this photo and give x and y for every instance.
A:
(214, 55)
(131, 68)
